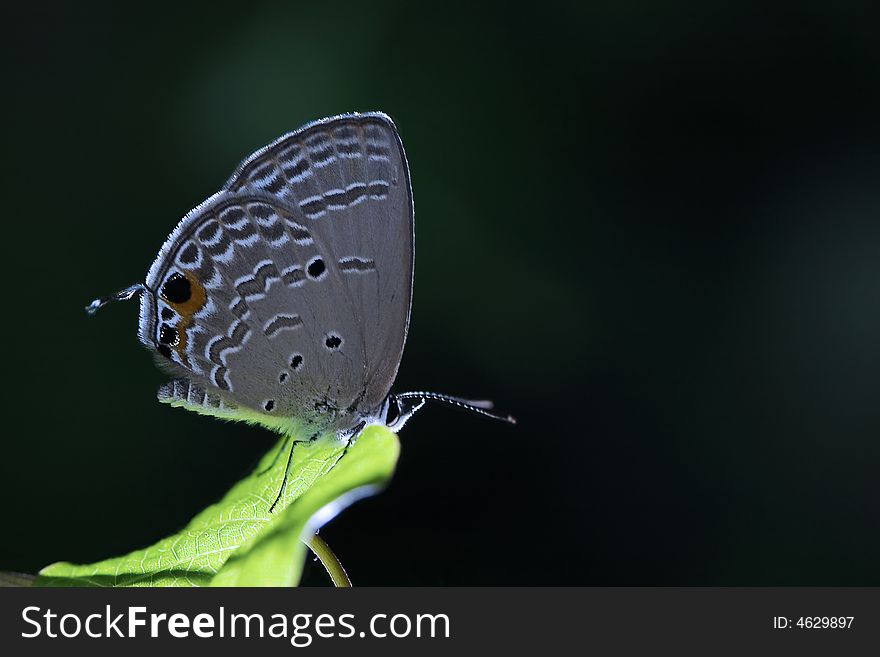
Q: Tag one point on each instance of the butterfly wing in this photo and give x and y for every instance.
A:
(349, 178)
(287, 293)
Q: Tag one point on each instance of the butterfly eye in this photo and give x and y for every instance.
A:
(393, 413)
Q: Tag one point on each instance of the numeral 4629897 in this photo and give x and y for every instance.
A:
(824, 622)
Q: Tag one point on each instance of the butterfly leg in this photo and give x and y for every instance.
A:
(287, 468)
(348, 435)
(275, 460)
(286, 473)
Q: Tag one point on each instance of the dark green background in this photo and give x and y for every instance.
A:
(653, 234)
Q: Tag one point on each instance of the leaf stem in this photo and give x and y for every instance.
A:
(330, 561)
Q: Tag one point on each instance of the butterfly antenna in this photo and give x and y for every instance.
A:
(479, 406)
(122, 295)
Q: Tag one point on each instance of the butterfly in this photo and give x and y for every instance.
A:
(284, 299)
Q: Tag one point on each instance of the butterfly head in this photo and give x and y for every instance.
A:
(396, 411)
(399, 408)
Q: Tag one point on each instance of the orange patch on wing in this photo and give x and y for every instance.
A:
(187, 309)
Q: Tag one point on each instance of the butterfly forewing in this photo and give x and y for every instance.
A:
(288, 292)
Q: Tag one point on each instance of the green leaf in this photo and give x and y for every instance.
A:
(237, 542)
